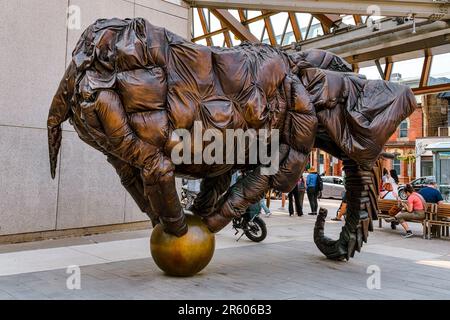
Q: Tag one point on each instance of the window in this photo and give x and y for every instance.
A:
(426, 164)
(397, 165)
(403, 133)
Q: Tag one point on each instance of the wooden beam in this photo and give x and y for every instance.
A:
(391, 8)
(227, 37)
(380, 71)
(425, 76)
(360, 44)
(432, 89)
(309, 27)
(269, 29)
(234, 25)
(327, 21)
(357, 19)
(260, 17)
(325, 28)
(201, 14)
(388, 68)
(355, 68)
(295, 26)
(283, 35)
(209, 35)
(242, 15)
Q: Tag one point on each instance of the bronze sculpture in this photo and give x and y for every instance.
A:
(130, 85)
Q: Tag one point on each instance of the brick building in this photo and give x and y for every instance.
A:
(403, 143)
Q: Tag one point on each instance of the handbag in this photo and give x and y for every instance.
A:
(394, 210)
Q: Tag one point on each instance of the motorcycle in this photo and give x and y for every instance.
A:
(251, 225)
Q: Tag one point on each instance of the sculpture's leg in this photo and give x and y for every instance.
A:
(211, 189)
(242, 194)
(361, 208)
(252, 188)
(164, 201)
(130, 178)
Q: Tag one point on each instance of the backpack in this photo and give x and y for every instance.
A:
(319, 183)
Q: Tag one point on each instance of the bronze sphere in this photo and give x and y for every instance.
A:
(184, 256)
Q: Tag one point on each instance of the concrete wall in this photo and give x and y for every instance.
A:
(35, 49)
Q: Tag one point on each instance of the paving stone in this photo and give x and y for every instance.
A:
(286, 266)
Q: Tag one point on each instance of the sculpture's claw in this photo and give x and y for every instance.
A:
(175, 226)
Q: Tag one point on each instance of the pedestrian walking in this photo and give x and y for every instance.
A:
(294, 196)
(314, 185)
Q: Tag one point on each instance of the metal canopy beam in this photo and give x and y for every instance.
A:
(362, 44)
(397, 8)
(234, 25)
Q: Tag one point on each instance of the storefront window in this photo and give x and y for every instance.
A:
(426, 166)
(444, 179)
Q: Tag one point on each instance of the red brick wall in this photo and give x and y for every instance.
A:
(414, 129)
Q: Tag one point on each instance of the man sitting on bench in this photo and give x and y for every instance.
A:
(431, 194)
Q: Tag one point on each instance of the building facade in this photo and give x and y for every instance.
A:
(37, 39)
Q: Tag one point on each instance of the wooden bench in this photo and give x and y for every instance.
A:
(383, 208)
(439, 217)
(385, 205)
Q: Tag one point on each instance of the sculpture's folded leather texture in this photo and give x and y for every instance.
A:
(131, 84)
(164, 82)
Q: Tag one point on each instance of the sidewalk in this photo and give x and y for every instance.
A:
(287, 265)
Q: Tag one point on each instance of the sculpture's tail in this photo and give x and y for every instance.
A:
(58, 113)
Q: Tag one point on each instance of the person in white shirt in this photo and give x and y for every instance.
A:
(388, 192)
(394, 180)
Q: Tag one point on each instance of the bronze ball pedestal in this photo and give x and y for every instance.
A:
(184, 256)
